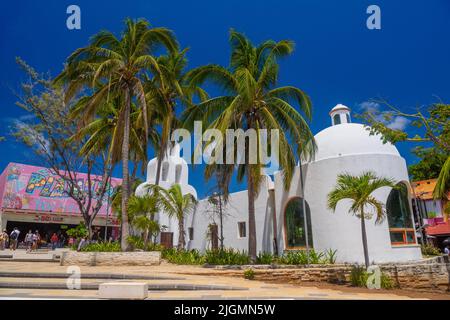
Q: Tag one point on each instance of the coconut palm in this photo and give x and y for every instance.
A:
(164, 92)
(141, 211)
(252, 101)
(173, 203)
(359, 189)
(116, 66)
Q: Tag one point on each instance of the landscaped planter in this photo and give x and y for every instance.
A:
(110, 258)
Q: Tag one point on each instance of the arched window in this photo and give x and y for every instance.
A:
(165, 171)
(401, 228)
(337, 119)
(294, 224)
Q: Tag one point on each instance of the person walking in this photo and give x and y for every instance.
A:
(3, 240)
(62, 240)
(447, 250)
(14, 239)
(29, 240)
(36, 239)
(54, 240)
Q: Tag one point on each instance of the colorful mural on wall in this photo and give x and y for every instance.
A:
(28, 187)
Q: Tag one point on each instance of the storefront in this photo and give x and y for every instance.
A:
(32, 198)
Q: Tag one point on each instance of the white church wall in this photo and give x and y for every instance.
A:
(341, 231)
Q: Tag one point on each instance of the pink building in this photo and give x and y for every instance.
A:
(32, 198)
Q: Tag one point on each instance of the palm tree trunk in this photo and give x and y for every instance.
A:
(125, 173)
(181, 242)
(146, 234)
(221, 221)
(251, 217)
(159, 159)
(364, 239)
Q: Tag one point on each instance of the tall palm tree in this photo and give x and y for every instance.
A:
(117, 66)
(142, 210)
(175, 204)
(164, 92)
(252, 101)
(359, 189)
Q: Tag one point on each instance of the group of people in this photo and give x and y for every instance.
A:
(31, 240)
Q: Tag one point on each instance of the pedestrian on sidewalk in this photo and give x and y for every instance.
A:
(14, 239)
(29, 240)
(3, 240)
(36, 239)
(54, 240)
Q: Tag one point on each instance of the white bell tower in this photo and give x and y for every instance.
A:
(340, 114)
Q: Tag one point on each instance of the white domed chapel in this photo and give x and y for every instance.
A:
(343, 147)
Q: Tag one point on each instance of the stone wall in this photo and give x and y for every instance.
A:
(110, 258)
(426, 276)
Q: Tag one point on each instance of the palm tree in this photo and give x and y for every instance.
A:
(252, 101)
(117, 66)
(164, 92)
(175, 204)
(142, 211)
(359, 190)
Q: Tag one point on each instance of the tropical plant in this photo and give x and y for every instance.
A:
(359, 189)
(227, 256)
(430, 250)
(112, 66)
(102, 247)
(253, 101)
(173, 203)
(265, 258)
(359, 277)
(249, 274)
(183, 256)
(142, 211)
(80, 231)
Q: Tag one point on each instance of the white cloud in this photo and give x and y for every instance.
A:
(395, 123)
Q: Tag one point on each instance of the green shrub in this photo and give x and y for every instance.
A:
(359, 277)
(136, 242)
(80, 231)
(265, 258)
(102, 247)
(226, 257)
(430, 250)
(249, 274)
(183, 256)
(330, 256)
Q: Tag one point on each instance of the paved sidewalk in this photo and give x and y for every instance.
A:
(192, 275)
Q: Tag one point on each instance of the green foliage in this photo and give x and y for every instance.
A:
(78, 232)
(136, 242)
(431, 214)
(330, 256)
(249, 274)
(188, 257)
(302, 258)
(227, 256)
(430, 250)
(359, 277)
(265, 258)
(430, 165)
(102, 247)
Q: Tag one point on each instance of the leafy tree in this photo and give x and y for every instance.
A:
(430, 165)
(359, 189)
(117, 66)
(142, 211)
(252, 101)
(48, 133)
(433, 125)
(175, 204)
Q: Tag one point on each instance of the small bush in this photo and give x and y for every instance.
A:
(430, 250)
(102, 247)
(359, 277)
(190, 257)
(226, 257)
(265, 258)
(330, 256)
(249, 274)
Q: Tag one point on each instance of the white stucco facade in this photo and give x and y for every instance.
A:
(342, 147)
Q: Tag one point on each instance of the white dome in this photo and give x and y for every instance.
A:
(350, 139)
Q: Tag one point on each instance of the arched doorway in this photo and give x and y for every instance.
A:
(294, 224)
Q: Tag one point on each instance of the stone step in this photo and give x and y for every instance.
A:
(61, 275)
(95, 286)
(30, 260)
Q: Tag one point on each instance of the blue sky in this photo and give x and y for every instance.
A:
(337, 59)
